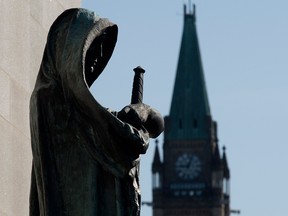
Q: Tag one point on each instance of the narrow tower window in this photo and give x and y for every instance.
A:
(180, 123)
(195, 123)
(156, 181)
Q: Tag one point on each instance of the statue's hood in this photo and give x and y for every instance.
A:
(78, 146)
(79, 45)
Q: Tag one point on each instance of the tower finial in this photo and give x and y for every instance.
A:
(194, 9)
(184, 9)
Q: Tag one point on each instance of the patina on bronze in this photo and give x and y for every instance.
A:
(85, 158)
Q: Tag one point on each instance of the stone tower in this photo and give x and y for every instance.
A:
(193, 177)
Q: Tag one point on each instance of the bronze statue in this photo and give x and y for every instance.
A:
(85, 157)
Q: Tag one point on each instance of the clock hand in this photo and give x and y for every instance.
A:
(189, 164)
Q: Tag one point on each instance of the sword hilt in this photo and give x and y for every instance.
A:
(137, 90)
(154, 123)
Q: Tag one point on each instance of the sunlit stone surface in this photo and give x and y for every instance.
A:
(24, 26)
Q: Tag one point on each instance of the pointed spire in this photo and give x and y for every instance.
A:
(156, 161)
(184, 9)
(217, 162)
(225, 164)
(190, 107)
(215, 132)
(190, 13)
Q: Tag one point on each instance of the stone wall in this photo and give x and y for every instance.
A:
(24, 26)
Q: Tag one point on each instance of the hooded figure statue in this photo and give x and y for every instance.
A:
(85, 159)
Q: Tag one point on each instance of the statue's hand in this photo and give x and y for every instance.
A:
(142, 116)
(134, 114)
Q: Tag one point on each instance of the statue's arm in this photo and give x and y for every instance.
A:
(115, 144)
(136, 138)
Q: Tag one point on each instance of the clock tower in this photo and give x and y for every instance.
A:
(192, 179)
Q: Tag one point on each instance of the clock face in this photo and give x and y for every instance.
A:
(188, 166)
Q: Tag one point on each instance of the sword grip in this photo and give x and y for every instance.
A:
(137, 90)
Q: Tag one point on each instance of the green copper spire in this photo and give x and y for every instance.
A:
(189, 113)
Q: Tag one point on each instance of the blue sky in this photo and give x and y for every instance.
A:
(244, 48)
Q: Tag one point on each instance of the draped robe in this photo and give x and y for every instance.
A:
(85, 159)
